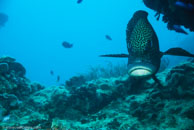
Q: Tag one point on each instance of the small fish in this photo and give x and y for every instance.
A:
(51, 72)
(178, 29)
(79, 1)
(58, 78)
(67, 45)
(144, 55)
(108, 37)
(3, 19)
(184, 5)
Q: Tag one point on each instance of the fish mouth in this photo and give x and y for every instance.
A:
(140, 71)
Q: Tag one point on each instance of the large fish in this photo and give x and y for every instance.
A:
(143, 47)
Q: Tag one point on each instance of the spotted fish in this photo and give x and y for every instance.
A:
(143, 47)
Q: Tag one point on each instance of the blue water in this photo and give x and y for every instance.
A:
(36, 29)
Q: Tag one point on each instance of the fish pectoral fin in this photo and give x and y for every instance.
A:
(178, 52)
(116, 55)
(160, 86)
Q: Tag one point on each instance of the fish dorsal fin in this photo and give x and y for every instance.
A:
(116, 55)
(178, 52)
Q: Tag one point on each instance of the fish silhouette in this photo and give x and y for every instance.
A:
(108, 37)
(52, 72)
(67, 45)
(3, 19)
(79, 1)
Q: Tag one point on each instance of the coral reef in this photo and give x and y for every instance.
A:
(116, 103)
(9, 65)
(173, 14)
(107, 71)
(14, 88)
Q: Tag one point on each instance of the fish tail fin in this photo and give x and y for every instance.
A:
(116, 55)
(178, 52)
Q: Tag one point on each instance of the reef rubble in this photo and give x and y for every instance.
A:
(115, 103)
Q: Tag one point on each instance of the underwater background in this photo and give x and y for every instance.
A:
(53, 78)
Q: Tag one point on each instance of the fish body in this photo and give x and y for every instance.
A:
(108, 37)
(144, 55)
(67, 45)
(3, 19)
(142, 45)
(79, 1)
(52, 72)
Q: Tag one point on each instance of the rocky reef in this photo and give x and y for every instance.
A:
(175, 12)
(115, 103)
